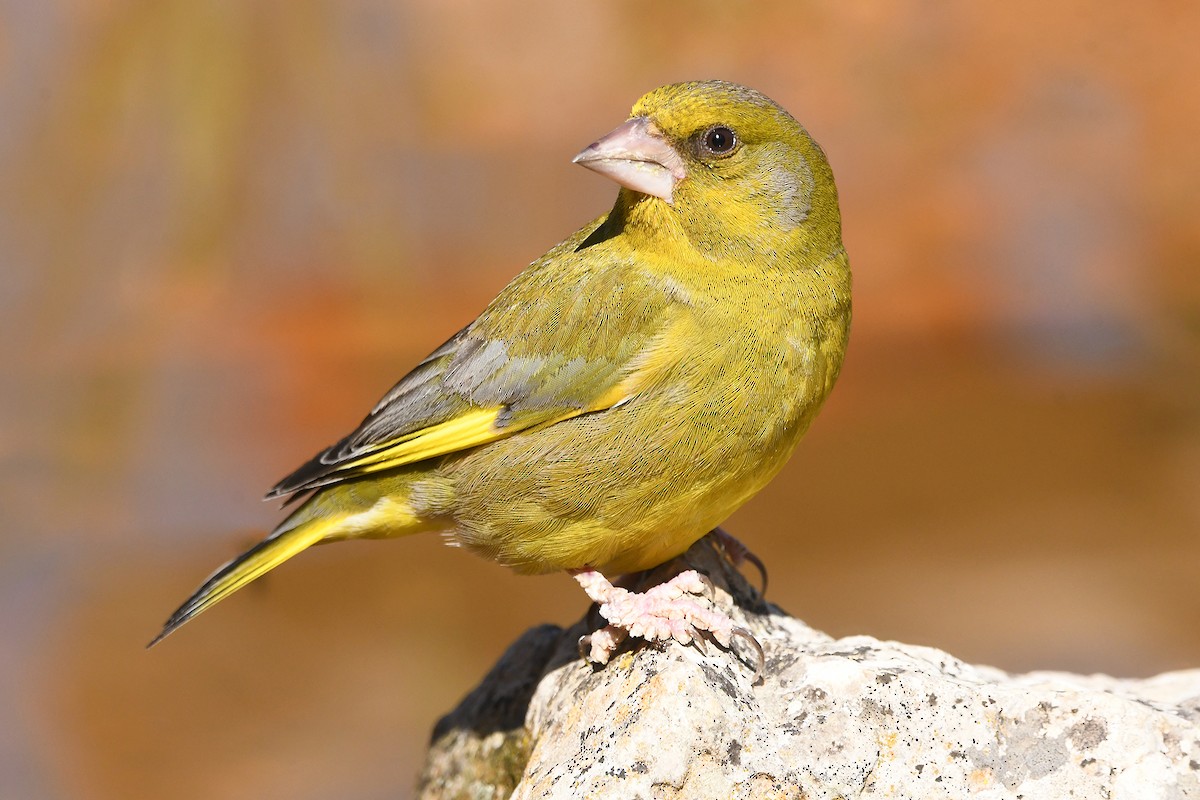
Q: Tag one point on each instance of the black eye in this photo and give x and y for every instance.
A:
(719, 140)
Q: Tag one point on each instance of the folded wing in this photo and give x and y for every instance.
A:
(533, 358)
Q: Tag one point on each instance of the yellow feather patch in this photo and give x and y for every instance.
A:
(472, 429)
(464, 431)
(255, 562)
(278, 550)
(613, 397)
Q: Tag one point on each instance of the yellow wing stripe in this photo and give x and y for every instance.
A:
(464, 432)
(461, 433)
(614, 396)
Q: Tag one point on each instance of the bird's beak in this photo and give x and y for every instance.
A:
(636, 155)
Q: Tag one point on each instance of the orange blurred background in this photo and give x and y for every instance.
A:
(226, 228)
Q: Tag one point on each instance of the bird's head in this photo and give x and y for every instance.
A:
(723, 165)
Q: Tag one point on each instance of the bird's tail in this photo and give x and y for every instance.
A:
(282, 544)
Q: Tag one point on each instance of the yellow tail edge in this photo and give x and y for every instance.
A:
(252, 564)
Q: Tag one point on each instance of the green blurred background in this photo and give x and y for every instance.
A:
(227, 227)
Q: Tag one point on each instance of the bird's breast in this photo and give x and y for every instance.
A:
(716, 415)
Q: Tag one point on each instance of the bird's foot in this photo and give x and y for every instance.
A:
(671, 611)
(738, 554)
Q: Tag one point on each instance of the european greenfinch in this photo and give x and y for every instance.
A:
(627, 391)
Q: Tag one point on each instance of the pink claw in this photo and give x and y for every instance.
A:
(599, 646)
(668, 612)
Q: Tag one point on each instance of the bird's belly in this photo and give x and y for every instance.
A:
(620, 491)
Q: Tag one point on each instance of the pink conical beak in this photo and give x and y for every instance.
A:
(635, 155)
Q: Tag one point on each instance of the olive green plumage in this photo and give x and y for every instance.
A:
(627, 391)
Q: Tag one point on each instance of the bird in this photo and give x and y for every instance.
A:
(624, 393)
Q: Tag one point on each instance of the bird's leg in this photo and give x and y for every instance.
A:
(738, 553)
(669, 611)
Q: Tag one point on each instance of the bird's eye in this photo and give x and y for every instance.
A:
(719, 140)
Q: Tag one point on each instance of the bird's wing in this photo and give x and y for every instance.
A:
(541, 353)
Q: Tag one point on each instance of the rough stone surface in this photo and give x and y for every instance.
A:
(843, 718)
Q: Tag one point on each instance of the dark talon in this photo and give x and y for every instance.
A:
(762, 570)
(585, 647)
(737, 552)
(744, 634)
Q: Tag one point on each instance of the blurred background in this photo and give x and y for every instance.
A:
(226, 228)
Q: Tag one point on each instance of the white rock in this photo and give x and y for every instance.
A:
(846, 718)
